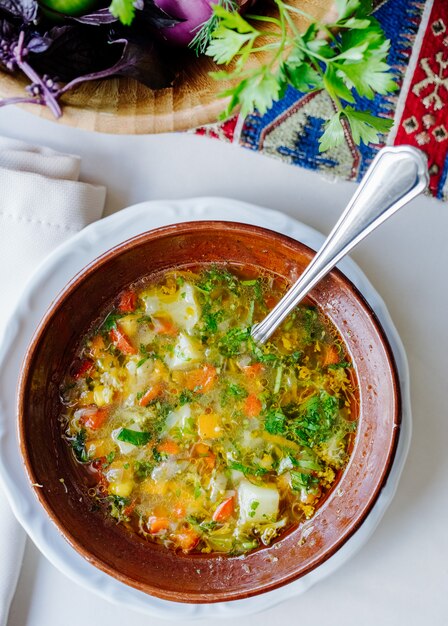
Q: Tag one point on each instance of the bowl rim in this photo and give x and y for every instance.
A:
(96, 265)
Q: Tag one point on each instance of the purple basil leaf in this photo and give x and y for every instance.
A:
(26, 10)
(76, 50)
(97, 18)
(142, 60)
(148, 11)
(38, 43)
(138, 61)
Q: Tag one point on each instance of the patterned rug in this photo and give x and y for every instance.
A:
(419, 56)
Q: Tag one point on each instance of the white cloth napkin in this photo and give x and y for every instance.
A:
(42, 203)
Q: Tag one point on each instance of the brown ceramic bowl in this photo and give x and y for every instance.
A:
(126, 556)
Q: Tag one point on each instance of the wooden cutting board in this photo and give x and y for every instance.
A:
(123, 106)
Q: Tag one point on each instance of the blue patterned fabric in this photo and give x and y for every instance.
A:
(291, 129)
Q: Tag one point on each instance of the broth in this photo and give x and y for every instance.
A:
(196, 437)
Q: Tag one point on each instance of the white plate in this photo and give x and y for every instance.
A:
(43, 287)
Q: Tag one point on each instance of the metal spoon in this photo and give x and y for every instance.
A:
(396, 176)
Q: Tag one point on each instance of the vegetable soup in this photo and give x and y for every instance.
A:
(193, 435)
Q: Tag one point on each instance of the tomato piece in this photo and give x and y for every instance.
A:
(127, 511)
(186, 539)
(82, 369)
(169, 447)
(157, 524)
(164, 326)
(224, 510)
(201, 380)
(93, 417)
(153, 392)
(254, 370)
(331, 356)
(121, 341)
(128, 302)
(252, 406)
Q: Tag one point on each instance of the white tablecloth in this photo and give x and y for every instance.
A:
(401, 576)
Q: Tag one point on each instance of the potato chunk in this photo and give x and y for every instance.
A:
(181, 306)
(257, 504)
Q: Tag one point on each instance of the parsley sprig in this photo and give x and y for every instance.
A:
(350, 59)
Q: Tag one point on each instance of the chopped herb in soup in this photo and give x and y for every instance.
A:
(195, 436)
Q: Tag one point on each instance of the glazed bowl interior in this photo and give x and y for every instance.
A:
(127, 556)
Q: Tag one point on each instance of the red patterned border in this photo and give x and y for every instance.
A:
(424, 122)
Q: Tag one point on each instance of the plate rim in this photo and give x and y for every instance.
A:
(88, 243)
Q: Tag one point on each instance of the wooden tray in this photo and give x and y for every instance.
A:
(123, 106)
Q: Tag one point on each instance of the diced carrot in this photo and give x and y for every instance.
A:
(156, 524)
(153, 392)
(200, 450)
(224, 510)
(97, 346)
(82, 369)
(93, 417)
(128, 302)
(203, 452)
(179, 510)
(252, 406)
(169, 447)
(121, 341)
(164, 326)
(186, 539)
(331, 356)
(200, 380)
(254, 370)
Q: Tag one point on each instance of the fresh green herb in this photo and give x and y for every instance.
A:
(109, 458)
(210, 320)
(142, 361)
(185, 397)
(204, 35)
(79, 446)
(157, 456)
(247, 470)
(126, 466)
(342, 364)
(117, 504)
(301, 481)
(215, 276)
(230, 344)
(263, 353)
(202, 525)
(197, 491)
(143, 469)
(140, 394)
(350, 59)
(275, 422)
(293, 358)
(253, 507)
(144, 319)
(314, 421)
(124, 10)
(135, 437)
(236, 391)
(110, 322)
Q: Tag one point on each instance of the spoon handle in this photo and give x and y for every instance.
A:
(396, 176)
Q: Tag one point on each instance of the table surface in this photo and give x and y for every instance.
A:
(401, 575)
